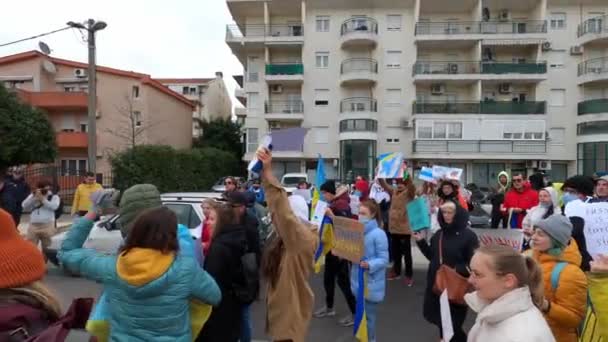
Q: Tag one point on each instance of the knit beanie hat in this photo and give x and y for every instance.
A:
(133, 202)
(21, 262)
(582, 184)
(558, 227)
(329, 186)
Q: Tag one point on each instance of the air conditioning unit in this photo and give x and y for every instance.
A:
(546, 46)
(544, 165)
(531, 164)
(504, 15)
(453, 68)
(406, 123)
(437, 89)
(80, 73)
(505, 88)
(576, 50)
(276, 88)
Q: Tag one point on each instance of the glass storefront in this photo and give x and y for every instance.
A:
(486, 174)
(357, 157)
(592, 157)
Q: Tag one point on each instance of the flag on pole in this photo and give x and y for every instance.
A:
(320, 179)
(360, 327)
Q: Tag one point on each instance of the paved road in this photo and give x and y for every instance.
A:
(399, 317)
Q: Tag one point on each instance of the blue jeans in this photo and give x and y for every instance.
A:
(246, 327)
(371, 311)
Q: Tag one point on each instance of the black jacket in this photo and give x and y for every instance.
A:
(22, 190)
(578, 234)
(253, 235)
(8, 199)
(223, 263)
(459, 245)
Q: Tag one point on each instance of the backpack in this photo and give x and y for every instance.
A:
(555, 274)
(59, 210)
(248, 286)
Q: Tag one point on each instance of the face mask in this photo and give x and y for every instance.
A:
(569, 197)
(364, 219)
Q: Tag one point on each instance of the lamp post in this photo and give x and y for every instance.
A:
(92, 27)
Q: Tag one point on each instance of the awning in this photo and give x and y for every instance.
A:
(523, 41)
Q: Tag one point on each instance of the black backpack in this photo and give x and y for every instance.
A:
(59, 210)
(248, 286)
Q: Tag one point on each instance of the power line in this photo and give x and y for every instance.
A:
(36, 36)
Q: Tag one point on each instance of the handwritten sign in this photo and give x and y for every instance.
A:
(444, 172)
(348, 239)
(446, 316)
(513, 238)
(319, 213)
(390, 165)
(418, 215)
(596, 229)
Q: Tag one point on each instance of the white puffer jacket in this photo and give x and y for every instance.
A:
(511, 318)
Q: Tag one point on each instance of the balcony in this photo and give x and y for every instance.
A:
(475, 30)
(284, 110)
(359, 71)
(274, 34)
(360, 31)
(593, 70)
(285, 73)
(72, 140)
(596, 106)
(485, 107)
(56, 100)
(358, 107)
(499, 68)
(480, 146)
(593, 30)
(453, 70)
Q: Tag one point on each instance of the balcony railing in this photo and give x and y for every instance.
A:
(595, 25)
(461, 68)
(359, 64)
(358, 104)
(284, 107)
(285, 69)
(485, 107)
(359, 24)
(481, 27)
(593, 106)
(261, 30)
(593, 66)
(480, 146)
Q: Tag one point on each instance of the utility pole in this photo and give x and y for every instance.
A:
(92, 27)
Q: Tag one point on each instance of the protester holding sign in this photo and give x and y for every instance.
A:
(518, 201)
(578, 191)
(399, 227)
(450, 191)
(454, 245)
(374, 261)
(509, 291)
(564, 283)
(288, 260)
(428, 191)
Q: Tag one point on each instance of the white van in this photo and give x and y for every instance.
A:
(290, 181)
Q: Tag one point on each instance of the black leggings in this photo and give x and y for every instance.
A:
(337, 269)
(402, 248)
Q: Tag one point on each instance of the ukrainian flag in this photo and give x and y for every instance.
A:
(320, 179)
(360, 327)
(326, 242)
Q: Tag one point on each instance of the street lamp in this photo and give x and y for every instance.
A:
(91, 26)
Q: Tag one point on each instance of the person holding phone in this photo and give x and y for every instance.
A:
(42, 204)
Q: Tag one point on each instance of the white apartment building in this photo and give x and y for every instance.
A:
(484, 85)
(209, 95)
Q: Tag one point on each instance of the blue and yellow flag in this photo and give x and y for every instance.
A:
(360, 327)
(319, 180)
(326, 242)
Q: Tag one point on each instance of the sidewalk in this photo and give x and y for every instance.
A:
(63, 223)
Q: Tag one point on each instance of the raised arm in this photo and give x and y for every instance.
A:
(385, 186)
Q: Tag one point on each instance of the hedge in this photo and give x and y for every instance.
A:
(172, 170)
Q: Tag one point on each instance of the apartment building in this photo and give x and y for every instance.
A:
(209, 95)
(484, 85)
(131, 107)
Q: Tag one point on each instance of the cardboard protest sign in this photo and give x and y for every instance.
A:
(454, 174)
(505, 237)
(348, 239)
(440, 172)
(319, 213)
(390, 165)
(426, 174)
(418, 215)
(596, 228)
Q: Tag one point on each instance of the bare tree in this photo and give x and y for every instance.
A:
(131, 125)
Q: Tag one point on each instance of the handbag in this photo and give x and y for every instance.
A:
(447, 278)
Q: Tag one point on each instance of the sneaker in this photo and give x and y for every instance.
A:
(409, 281)
(347, 321)
(324, 312)
(392, 275)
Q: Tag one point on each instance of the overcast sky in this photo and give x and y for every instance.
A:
(179, 38)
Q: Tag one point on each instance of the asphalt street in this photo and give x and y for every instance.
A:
(399, 317)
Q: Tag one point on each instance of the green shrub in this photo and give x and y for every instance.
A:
(172, 170)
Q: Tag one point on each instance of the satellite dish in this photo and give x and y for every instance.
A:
(49, 67)
(44, 48)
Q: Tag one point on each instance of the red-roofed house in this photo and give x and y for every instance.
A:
(59, 87)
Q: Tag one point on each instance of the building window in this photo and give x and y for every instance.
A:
(556, 58)
(69, 89)
(358, 125)
(135, 92)
(253, 100)
(321, 135)
(322, 59)
(557, 97)
(252, 140)
(439, 130)
(558, 136)
(321, 97)
(322, 23)
(393, 97)
(592, 157)
(137, 118)
(455, 130)
(393, 59)
(73, 167)
(84, 127)
(357, 157)
(425, 131)
(595, 127)
(558, 21)
(393, 22)
(392, 140)
(527, 130)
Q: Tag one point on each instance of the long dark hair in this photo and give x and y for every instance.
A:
(153, 229)
(225, 216)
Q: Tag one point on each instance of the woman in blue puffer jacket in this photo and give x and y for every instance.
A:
(375, 260)
(149, 284)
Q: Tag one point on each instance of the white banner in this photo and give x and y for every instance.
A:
(596, 228)
(505, 237)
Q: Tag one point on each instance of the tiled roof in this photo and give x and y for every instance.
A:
(184, 80)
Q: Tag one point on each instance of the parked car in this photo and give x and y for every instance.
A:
(290, 181)
(220, 187)
(105, 236)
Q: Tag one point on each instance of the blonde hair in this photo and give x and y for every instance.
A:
(449, 205)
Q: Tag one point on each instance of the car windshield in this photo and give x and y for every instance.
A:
(293, 181)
